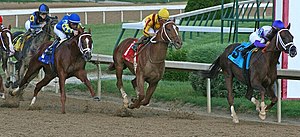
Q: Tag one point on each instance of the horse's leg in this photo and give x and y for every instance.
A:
(271, 93)
(230, 98)
(62, 80)
(262, 90)
(119, 73)
(133, 83)
(48, 77)
(249, 96)
(150, 90)
(81, 74)
(30, 74)
(141, 94)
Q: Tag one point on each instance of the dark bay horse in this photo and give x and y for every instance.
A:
(6, 38)
(30, 48)
(70, 60)
(262, 70)
(150, 65)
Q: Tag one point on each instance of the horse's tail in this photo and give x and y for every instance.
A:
(213, 71)
(111, 67)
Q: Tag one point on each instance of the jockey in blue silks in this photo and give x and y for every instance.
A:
(65, 28)
(37, 19)
(260, 37)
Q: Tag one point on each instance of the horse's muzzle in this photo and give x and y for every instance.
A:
(293, 51)
(87, 56)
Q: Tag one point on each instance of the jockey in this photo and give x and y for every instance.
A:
(38, 19)
(152, 23)
(260, 37)
(1, 24)
(36, 22)
(65, 28)
(11, 47)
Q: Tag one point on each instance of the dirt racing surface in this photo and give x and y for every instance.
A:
(85, 117)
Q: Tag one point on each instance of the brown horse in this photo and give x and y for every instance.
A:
(1, 88)
(150, 65)
(5, 42)
(69, 60)
(262, 70)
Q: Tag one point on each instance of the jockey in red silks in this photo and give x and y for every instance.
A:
(152, 23)
(260, 37)
(11, 46)
(65, 28)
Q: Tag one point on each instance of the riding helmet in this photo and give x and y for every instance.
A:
(163, 13)
(74, 18)
(278, 24)
(1, 19)
(44, 9)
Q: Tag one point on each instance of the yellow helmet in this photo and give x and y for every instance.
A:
(163, 13)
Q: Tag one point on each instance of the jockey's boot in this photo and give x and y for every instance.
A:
(140, 41)
(50, 48)
(247, 49)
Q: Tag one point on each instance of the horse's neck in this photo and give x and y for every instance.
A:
(158, 51)
(273, 54)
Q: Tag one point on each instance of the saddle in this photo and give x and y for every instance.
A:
(19, 43)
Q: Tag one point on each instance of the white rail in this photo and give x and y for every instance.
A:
(191, 66)
(85, 10)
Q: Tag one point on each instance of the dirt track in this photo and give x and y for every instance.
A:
(90, 118)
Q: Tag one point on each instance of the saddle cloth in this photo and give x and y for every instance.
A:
(129, 54)
(237, 58)
(49, 58)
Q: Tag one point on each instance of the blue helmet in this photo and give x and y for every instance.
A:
(278, 24)
(44, 9)
(74, 18)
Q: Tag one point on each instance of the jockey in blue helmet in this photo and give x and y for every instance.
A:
(38, 19)
(261, 36)
(66, 28)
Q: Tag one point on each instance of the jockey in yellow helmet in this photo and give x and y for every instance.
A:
(152, 23)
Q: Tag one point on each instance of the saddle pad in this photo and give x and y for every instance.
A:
(47, 58)
(129, 54)
(236, 55)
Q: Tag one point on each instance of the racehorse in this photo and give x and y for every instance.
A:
(150, 63)
(5, 42)
(69, 60)
(30, 48)
(262, 70)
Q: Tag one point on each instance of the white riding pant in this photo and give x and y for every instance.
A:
(27, 25)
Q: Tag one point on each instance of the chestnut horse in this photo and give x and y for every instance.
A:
(5, 42)
(69, 60)
(262, 70)
(150, 65)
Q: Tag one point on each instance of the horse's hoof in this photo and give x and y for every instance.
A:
(7, 84)
(11, 93)
(131, 106)
(235, 121)
(262, 116)
(96, 98)
(133, 100)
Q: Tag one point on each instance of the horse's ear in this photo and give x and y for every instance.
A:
(80, 30)
(9, 27)
(90, 30)
(289, 26)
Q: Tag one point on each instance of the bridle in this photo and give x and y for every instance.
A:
(9, 37)
(87, 49)
(163, 33)
(280, 42)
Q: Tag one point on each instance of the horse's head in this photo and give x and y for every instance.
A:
(85, 44)
(169, 33)
(6, 38)
(49, 27)
(284, 42)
